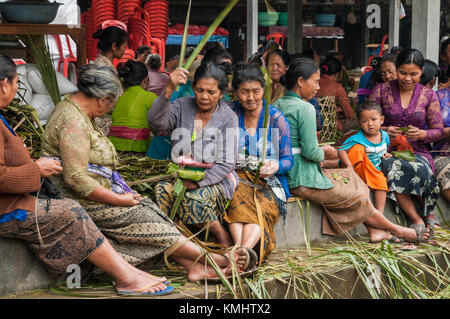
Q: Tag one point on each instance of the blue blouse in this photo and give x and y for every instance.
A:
(252, 144)
(18, 214)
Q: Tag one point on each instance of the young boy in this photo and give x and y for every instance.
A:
(366, 149)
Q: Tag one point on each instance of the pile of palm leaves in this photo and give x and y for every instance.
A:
(382, 271)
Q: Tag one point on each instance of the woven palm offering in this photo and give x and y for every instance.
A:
(328, 112)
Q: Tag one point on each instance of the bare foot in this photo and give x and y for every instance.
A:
(138, 283)
(149, 275)
(198, 272)
(378, 235)
(241, 257)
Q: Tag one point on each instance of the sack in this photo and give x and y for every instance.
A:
(44, 106)
(35, 79)
(48, 191)
(24, 87)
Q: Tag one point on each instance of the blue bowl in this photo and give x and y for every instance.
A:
(29, 12)
(324, 20)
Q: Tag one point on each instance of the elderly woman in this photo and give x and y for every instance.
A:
(441, 151)
(134, 225)
(58, 231)
(344, 196)
(276, 63)
(409, 105)
(129, 130)
(204, 134)
(256, 205)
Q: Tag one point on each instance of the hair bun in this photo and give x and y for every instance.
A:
(98, 34)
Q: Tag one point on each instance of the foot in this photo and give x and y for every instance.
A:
(137, 283)
(198, 272)
(378, 235)
(432, 221)
(241, 256)
(410, 235)
(149, 275)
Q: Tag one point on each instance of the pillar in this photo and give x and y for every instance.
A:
(425, 28)
(394, 23)
(252, 27)
(295, 21)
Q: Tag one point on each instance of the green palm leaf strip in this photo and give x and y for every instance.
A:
(185, 35)
(209, 32)
(305, 224)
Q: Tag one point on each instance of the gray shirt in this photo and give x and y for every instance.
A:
(216, 143)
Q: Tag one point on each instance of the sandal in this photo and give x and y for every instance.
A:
(431, 222)
(394, 240)
(420, 231)
(140, 292)
(251, 261)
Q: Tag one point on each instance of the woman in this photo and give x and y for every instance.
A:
(330, 87)
(112, 43)
(430, 74)
(157, 80)
(441, 152)
(344, 196)
(58, 231)
(277, 62)
(407, 103)
(248, 226)
(201, 127)
(129, 128)
(134, 225)
(383, 71)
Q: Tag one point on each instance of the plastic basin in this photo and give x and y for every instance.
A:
(29, 12)
(266, 19)
(324, 20)
(283, 19)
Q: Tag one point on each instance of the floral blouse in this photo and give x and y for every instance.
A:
(74, 138)
(423, 112)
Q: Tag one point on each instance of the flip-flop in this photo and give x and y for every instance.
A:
(165, 283)
(392, 241)
(252, 259)
(244, 274)
(432, 222)
(420, 231)
(408, 247)
(140, 292)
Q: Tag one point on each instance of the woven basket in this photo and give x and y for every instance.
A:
(328, 111)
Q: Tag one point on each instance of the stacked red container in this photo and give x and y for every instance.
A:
(158, 10)
(88, 21)
(125, 9)
(101, 11)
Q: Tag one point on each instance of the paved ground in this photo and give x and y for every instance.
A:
(276, 275)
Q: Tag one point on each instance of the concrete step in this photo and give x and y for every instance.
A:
(21, 271)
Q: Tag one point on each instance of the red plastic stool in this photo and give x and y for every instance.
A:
(65, 61)
(277, 36)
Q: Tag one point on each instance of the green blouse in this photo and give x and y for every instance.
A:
(74, 138)
(306, 170)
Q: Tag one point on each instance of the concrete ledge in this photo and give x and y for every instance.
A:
(21, 271)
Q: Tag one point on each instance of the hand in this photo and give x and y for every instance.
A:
(178, 77)
(387, 155)
(129, 199)
(269, 168)
(415, 133)
(190, 185)
(394, 131)
(329, 152)
(48, 167)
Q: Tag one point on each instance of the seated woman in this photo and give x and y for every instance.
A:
(201, 128)
(441, 151)
(134, 225)
(65, 233)
(157, 80)
(276, 63)
(344, 196)
(256, 205)
(129, 128)
(330, 87)
(430, 74)
(408, 104)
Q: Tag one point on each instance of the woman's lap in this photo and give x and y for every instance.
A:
(412, 178)
(68, 233)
